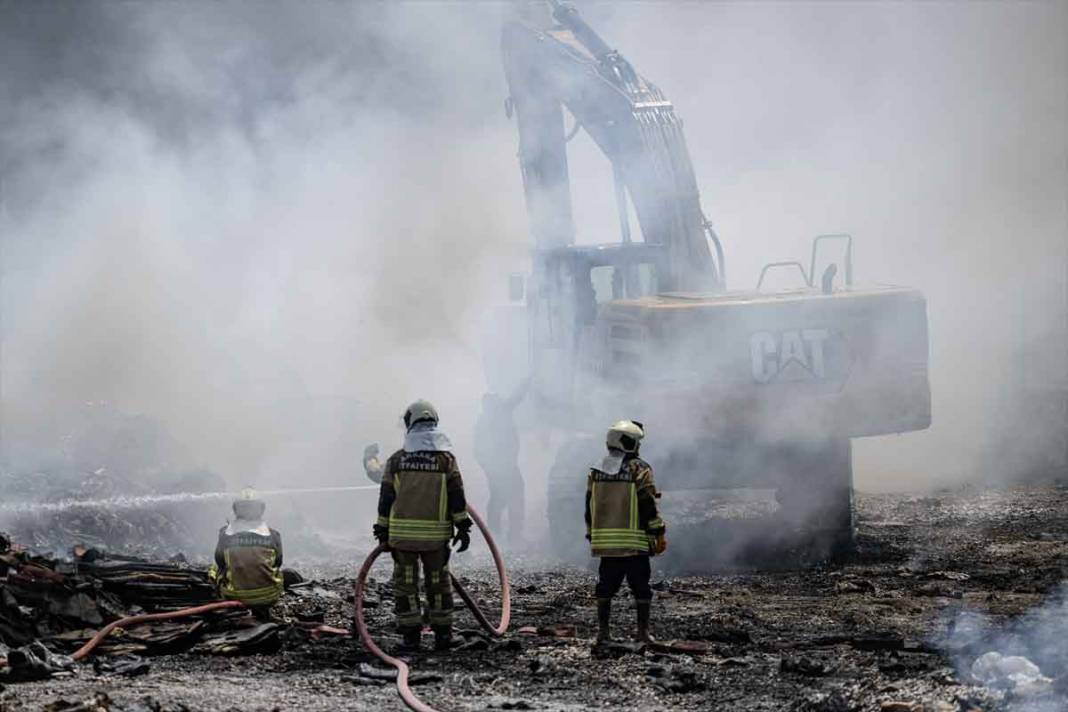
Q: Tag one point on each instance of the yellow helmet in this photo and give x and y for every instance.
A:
(625, 435)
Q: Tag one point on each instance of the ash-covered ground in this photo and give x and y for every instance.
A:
(939, 580)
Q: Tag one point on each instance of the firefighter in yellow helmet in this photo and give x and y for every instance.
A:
(248, 557)
(623, 525)
(421, 507)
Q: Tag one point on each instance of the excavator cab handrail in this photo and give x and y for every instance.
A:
(809, 275)
(847, 259)
(778, 265)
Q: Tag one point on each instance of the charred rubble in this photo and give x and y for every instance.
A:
(954, 602)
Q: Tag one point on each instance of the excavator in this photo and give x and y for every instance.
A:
(750, 389)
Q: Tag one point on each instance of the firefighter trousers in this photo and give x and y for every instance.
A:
(635, 569)
(435, 564)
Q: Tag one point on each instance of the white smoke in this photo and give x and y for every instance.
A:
(270, 228)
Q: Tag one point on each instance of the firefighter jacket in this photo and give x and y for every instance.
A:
(621, 513)
(248, 562)
(421, 499)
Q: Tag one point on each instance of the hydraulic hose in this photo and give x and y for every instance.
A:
(403, 670)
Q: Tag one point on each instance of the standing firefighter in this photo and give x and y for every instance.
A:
(248, 557)
(421, 507)
(623, 525)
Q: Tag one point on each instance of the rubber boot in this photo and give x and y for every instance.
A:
(604, 618)
(442, 637)
(643, 622)
(412, 638)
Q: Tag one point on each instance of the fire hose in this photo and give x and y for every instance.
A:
(148, 618)
(403, 670)
(144, 618)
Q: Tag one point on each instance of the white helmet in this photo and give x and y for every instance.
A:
(248, 505)
(626, 435)
(418, 412)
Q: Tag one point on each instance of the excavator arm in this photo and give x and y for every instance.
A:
(559, 61)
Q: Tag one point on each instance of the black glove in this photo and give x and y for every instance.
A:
(381, 533)
(463, 536)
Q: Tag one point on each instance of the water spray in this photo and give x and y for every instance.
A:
(149, 500)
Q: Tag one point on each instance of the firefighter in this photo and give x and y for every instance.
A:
(623, 525)
(421, 507)
(248, 558)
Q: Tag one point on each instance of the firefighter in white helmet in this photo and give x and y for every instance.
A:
(248, 557)
(623, 525)
(421, 507)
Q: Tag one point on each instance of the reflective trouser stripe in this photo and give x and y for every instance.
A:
(406, 595)
(439, 596)
(406, 587)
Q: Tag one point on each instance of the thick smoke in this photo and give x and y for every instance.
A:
(932, 132)
(253, 223)
(269, 226)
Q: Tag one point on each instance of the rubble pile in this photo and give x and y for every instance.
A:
(46, 601)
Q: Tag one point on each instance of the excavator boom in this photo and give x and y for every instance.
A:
(562, 62)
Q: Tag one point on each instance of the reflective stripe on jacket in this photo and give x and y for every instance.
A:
(248, 567)
(421, 498)
(621, 513)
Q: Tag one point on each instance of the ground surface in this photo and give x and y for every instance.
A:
(938, 581)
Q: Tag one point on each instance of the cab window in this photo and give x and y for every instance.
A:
(612, 282)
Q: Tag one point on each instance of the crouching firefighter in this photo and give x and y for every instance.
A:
(248, 558)
(421, 507)
(623, 525)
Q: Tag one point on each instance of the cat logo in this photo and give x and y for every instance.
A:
(789, 356)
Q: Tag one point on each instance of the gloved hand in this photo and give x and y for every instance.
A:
(371, 451)
(382, 534)
(463, 536)
(371, 465)
(658, 544)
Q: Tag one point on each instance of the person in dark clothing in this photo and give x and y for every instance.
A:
(623, 525)
(497, 453)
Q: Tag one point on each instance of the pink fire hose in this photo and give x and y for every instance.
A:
(145, 618)
(403, 670)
